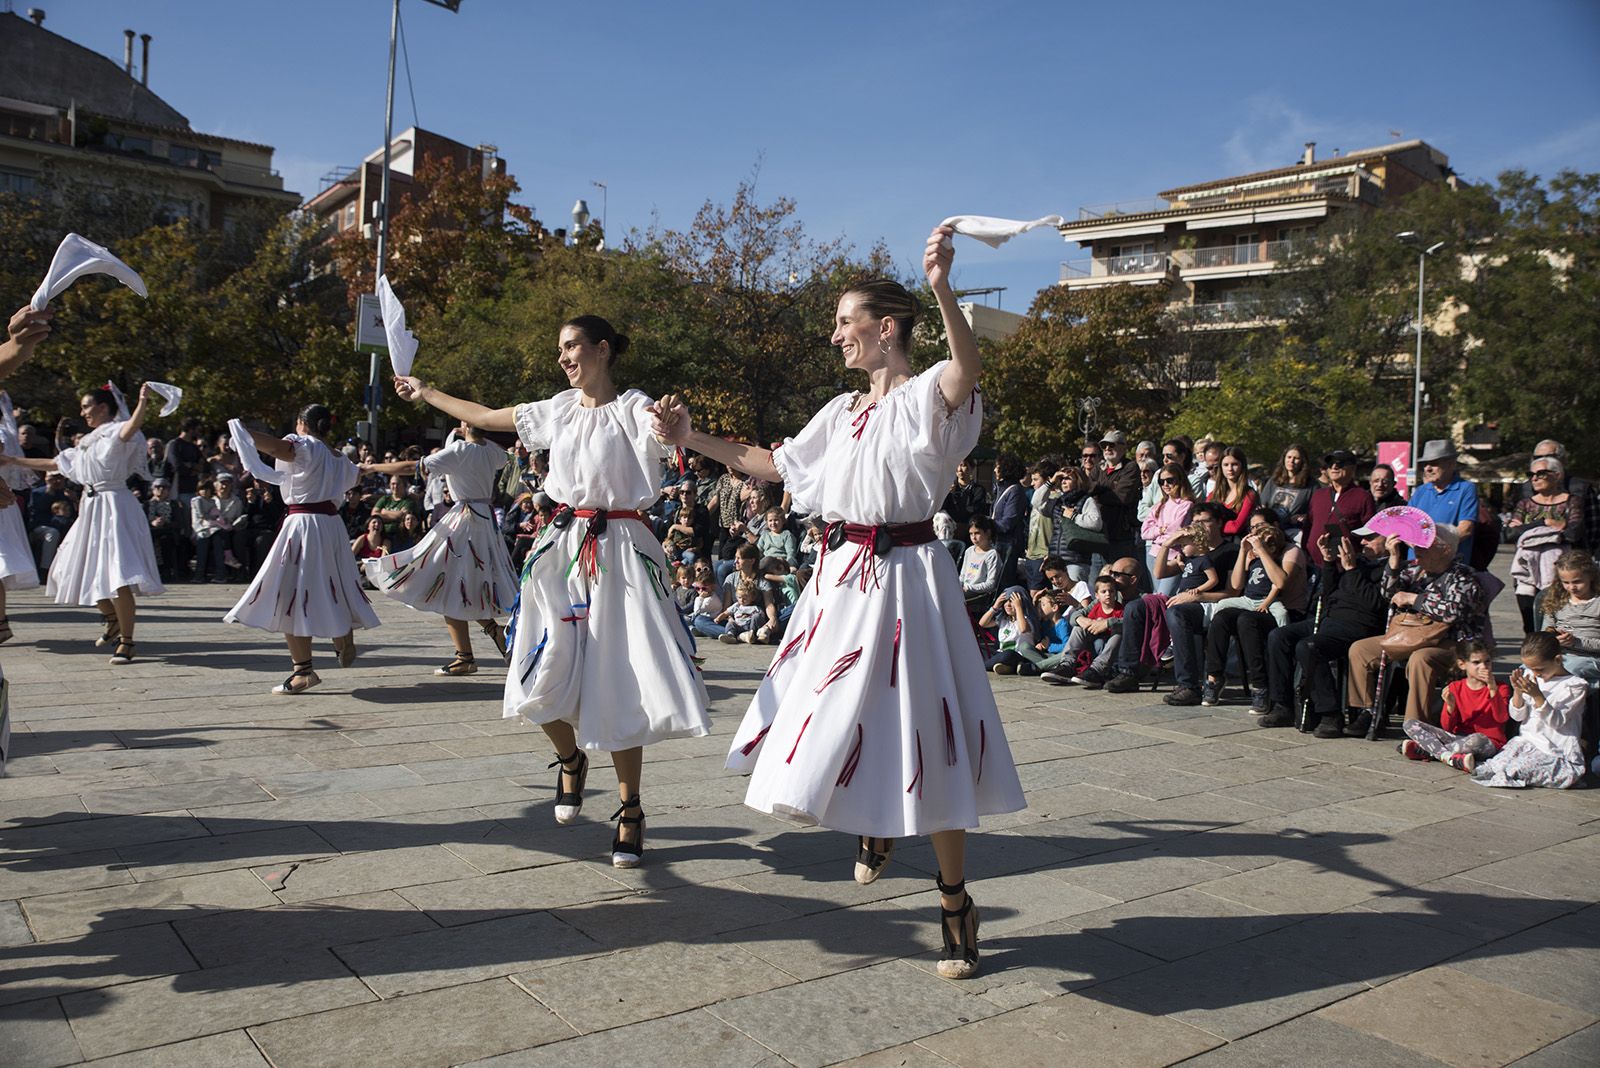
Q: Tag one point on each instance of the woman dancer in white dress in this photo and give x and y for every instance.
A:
(18, 571)
(876, 717)
(107, 554)
(599, 657)
(460, 568)
(309, 586)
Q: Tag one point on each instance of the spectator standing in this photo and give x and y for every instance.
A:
(1382, 484)
(185, 461)
(777, 541)
(1587, 492)
(1168, 517)
(1448, 498)
(1341, 504)
(1208, 470)
(1231, 488)
(1009, 515)
(1287, 492)
(1119, 504)
(51, 509)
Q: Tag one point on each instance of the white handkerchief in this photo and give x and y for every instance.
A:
(76, 257)
(402, 342)
(249, 458)
(996, 232)
(172, 395)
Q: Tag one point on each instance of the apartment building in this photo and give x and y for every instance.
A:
(1208, 244)
(350, 196)
(68, 113)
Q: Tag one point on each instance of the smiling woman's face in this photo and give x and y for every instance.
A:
(584, 362)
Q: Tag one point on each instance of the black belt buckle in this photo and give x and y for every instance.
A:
(882, 541)
(835, 535)
(562, 518)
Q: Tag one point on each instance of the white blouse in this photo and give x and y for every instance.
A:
(101, 459)
(892, 461)
(316, 473)
(469, 468)
(602, 457)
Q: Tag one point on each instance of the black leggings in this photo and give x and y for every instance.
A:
(1251, 628)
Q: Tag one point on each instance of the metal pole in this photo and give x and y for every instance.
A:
(383, 227)
(1416, 386)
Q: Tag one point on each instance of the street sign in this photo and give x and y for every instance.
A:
(1397, 454)
(369, 325)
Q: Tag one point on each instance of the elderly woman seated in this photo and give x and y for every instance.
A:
(1438, 588)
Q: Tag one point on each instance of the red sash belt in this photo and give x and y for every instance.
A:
(881, 537)
(314, 508)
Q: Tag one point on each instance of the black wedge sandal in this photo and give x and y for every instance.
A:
(497, 634)
(628, 854)
(570, 802)
(302, 670)
(123, 653)
(871, 858)
(112, 630)
(5, 629)
(345, 646)
(463, 664)
(960, 957)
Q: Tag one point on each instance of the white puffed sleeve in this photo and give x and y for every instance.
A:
(800, 459)
(632, 408)
(939, 430)
(533, 421)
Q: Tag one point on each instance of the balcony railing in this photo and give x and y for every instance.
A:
(1121, 207)
(1115, 266)
(1135, 263)
(1239, 255)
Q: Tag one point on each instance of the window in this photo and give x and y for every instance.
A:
(16, 182)
(349, 216)
(1137, 258)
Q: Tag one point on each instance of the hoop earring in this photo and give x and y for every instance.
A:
(883, 346)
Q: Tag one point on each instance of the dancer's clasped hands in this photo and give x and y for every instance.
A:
(671, 421)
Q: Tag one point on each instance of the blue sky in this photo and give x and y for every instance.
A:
(879, 119)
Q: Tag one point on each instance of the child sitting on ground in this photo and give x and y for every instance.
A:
(1015, 630)
(683, 590)
(1095, 637)
(707, 604)
(1049, 648)
(744, 618)
(1472, 725)
(1548, 702)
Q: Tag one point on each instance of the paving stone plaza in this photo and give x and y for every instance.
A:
(193, 872)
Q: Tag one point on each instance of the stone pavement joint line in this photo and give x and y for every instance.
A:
(193, 872)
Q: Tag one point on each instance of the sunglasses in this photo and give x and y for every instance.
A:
(1123, 574)
(1167, 481)
(1090, 456)
(1541, 473)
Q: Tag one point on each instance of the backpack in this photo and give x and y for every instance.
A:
(1485, 537)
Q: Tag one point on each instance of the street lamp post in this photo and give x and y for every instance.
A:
(373, 393)
(605, 203)
(1412, 238)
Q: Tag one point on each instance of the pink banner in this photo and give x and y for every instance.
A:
(1397, 454)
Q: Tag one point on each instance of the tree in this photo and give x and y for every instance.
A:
(456, 235)
(1113, 343)
(771, 293)
(1530, 314)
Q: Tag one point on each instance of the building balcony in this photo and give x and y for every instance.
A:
(1223, 261)
(1139, 268)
